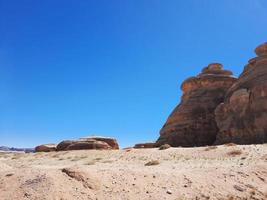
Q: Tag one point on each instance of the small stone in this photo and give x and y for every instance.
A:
(164, 146)
(27, 195)
(7, 175)
(153, 162)
(169, 192)
(238, 188)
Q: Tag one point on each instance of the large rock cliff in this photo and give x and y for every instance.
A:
(192, 123)
(242, 117)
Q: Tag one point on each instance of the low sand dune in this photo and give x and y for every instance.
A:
(223, 172)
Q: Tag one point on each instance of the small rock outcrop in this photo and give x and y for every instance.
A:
(145, 145)
(112, 142)
(46, 148)
(242, 116)
(62, 146)
(192, 123)
(80, 145)
(88, 143)
(164, 146)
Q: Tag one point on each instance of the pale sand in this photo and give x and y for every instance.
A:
(182, 173)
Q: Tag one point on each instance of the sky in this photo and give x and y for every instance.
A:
(112, 68)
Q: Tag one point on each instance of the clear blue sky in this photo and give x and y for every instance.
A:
(114, 68)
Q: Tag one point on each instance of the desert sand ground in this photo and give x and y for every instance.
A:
(222, 172)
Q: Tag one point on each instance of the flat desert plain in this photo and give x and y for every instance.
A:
(216, 172)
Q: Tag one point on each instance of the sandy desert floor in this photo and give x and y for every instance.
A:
(222, 172)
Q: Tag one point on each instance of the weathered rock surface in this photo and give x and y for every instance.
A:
(62, 146)
(192, 123)
(145, 145)
(45, 148)
(88, 143)
(112, 142)
(242, 116)
(164, 146)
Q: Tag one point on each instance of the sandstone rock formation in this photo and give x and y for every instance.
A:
(164, 147)
(88, 143)
(145, 145)
(45, 148)
(62, 146)
(242, 117)
(192, 123)
(80, 145)
(110, 141)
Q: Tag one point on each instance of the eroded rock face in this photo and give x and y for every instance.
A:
(88, 143)
(242, 117)
(112, 142)
(45, 148)
(81, 145)
(62, 146)
(192, 123)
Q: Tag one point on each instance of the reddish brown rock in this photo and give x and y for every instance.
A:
(192, 123)
(242, 116)
(164, 147)
(81, 145)
(62, 146)
(112, 142)
(88, 143)
(145, 145)
(45, 148)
